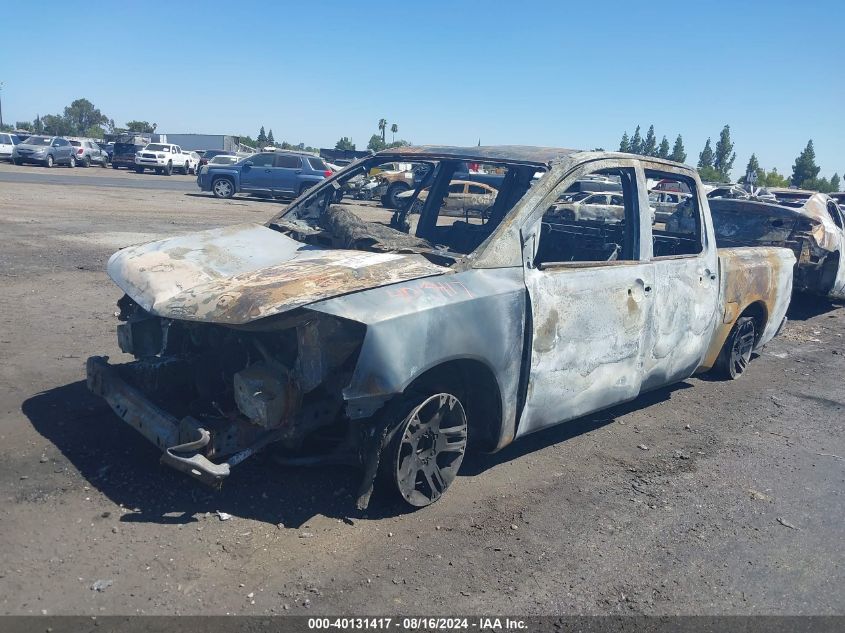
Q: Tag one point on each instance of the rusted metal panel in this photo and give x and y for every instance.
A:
(748, 277)
(513, 154)
(246, 273)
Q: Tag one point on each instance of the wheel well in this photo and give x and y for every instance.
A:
(756, 311)
(477, 389)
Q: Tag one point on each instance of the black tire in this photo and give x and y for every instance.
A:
(139, 170)
(48, 162)
(392, 191)
(223, 188)
(105, 162)
(86, 161)
(736, 352)
(72, 162)
(113, 166)
(17, 161)
(185, 169)
(425, 453)
(168, 170)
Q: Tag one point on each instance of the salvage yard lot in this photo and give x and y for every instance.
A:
(706, 497)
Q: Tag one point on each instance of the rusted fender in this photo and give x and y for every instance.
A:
(752, 276)
(239, 274)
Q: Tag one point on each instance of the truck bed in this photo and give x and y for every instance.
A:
(759, 277)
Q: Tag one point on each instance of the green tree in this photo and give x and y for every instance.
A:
(834, 182)
(382, 126)
(774, 179)
(270, 139)
(805, 167)
(23, 125)
(248, 141)
(141, 127)
(56, 125)
(705, 158)
(38, 125)
(637, 142)
(81, 116)
(376, 143)
(754, 167)
(345, 144)
(650, 144)
(95, 131)
(723, 159)
(625, 143)
(393, 129)
(262, 137)
(679, 154)
(711, 174)
(663, 149)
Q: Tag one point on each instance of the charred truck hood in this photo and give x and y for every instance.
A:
(239, 274)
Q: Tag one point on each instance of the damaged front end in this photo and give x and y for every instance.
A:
(209, 395)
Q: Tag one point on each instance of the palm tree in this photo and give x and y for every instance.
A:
(382, 126)
(393, 129)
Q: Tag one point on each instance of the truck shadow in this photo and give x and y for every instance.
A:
(124, 467)
(805, 306)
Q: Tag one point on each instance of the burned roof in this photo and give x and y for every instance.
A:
(525, 154)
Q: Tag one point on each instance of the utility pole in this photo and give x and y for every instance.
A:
(1, 105)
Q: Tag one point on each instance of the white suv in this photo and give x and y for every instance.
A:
(7, 144)
(163, 158)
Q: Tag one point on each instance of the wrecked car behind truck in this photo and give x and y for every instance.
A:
(343, 340)
(808, 223)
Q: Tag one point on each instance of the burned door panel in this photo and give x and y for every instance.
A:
(589, 324)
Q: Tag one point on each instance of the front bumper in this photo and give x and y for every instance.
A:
(151, 162)
(181, 441)
(30, 158)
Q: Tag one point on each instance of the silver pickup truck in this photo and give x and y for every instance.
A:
(340, 339)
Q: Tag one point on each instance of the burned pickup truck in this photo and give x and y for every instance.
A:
(337, 338)
(808, 223)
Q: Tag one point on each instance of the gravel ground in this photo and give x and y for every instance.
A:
(734, 508)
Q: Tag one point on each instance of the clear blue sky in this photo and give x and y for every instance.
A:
(446, 72)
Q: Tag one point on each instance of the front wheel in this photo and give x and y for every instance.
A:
(169, 169)
(186, 169)
(421, 461)
(86, 162)
(139, 170)
(223, 188)
(736, 353)
(49, 162)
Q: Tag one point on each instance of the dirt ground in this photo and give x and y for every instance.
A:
(736, 506)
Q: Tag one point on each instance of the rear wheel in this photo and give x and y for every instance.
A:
(736, 353)
(185, 169)
(421, 461)
(392, 199)
(222, 188)
(72, 162)
(86, 162)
